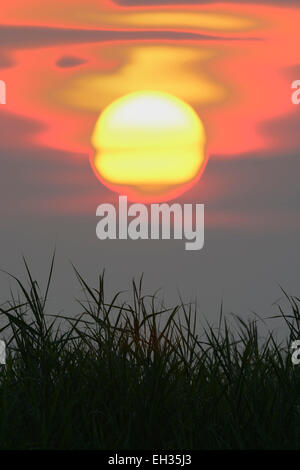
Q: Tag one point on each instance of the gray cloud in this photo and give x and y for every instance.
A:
(31, 174)
(34, 36)
(70, 61)
(257, 183)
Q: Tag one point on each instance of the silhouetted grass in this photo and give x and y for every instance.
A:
(140, 376)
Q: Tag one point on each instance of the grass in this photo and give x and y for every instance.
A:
(141, 376)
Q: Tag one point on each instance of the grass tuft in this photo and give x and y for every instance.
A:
(139, 375)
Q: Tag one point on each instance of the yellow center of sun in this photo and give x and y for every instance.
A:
(150, 140)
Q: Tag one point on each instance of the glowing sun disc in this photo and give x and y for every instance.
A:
(149, 142)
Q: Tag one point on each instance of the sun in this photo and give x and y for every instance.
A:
(149, 145)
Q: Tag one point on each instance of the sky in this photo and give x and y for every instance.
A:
(63, 62)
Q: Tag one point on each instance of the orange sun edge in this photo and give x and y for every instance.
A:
(133, 193)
